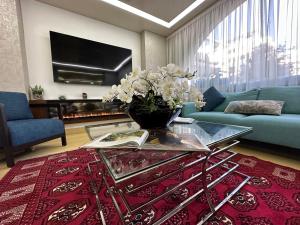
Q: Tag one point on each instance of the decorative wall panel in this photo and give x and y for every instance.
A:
(154, 51)
(12, 75)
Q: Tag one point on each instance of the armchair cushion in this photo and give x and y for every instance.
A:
(26, 131)
(15, 105)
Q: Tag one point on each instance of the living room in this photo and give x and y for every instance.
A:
(208, 90)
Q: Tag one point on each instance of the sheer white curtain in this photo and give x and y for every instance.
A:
(238, 45)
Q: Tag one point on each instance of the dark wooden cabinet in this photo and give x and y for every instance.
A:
(38, 110)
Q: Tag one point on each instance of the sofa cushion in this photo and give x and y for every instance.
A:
(212, 98)
(15, 105)
(280, 130)
(241, 96)
(188, 108)
(290, 95)
(26, 131)
(268, 107)
(217, 117)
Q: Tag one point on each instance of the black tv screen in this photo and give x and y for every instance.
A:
(80, 61)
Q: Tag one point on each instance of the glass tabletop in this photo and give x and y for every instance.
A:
(211, 133)
(123, 162)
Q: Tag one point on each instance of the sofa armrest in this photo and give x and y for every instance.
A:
(188, 108)
(4, 133)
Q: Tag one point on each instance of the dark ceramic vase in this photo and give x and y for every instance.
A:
(159, 118)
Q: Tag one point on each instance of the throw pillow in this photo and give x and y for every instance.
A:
(268, 107)
(212, 98)
(237, 96)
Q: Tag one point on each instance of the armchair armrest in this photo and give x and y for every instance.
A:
(56, 105)
(4, 133)
(188, 108)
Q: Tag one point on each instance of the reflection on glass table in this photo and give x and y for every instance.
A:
(126, 161)
(130, 170)
(211, 133)
(95, 131)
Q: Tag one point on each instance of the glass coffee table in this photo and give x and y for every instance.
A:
(130, 170)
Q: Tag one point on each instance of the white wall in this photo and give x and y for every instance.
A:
(40, 18)
(154, 50)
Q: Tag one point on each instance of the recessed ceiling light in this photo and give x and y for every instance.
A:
(136, 11)
(185, 12)
(152, 18)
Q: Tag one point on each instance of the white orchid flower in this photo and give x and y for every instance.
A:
(169, 82)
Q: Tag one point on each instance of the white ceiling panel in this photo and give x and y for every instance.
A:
(165, 10)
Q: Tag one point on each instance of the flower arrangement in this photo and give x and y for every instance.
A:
(155, 98)
(169, 84)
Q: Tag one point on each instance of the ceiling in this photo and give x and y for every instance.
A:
(160, 8)
(165, 10)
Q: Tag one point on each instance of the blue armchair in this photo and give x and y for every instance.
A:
(19, 130)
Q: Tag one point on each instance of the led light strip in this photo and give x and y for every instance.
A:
(71, 71)
(92, 67)
(152, 18)
(185, 12)
(122, 63)
(136, 11)
(81, 66)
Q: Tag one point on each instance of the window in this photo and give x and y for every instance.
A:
(255, 45)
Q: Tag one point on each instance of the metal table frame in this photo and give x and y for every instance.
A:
(113, 190)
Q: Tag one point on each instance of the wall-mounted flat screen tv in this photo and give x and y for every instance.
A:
(80, 61)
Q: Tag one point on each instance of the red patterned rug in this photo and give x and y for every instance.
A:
(55, 190)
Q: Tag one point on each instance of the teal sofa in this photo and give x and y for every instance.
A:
(281, 130)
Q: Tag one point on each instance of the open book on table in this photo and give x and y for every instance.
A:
(130, 138)
(160, 139)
